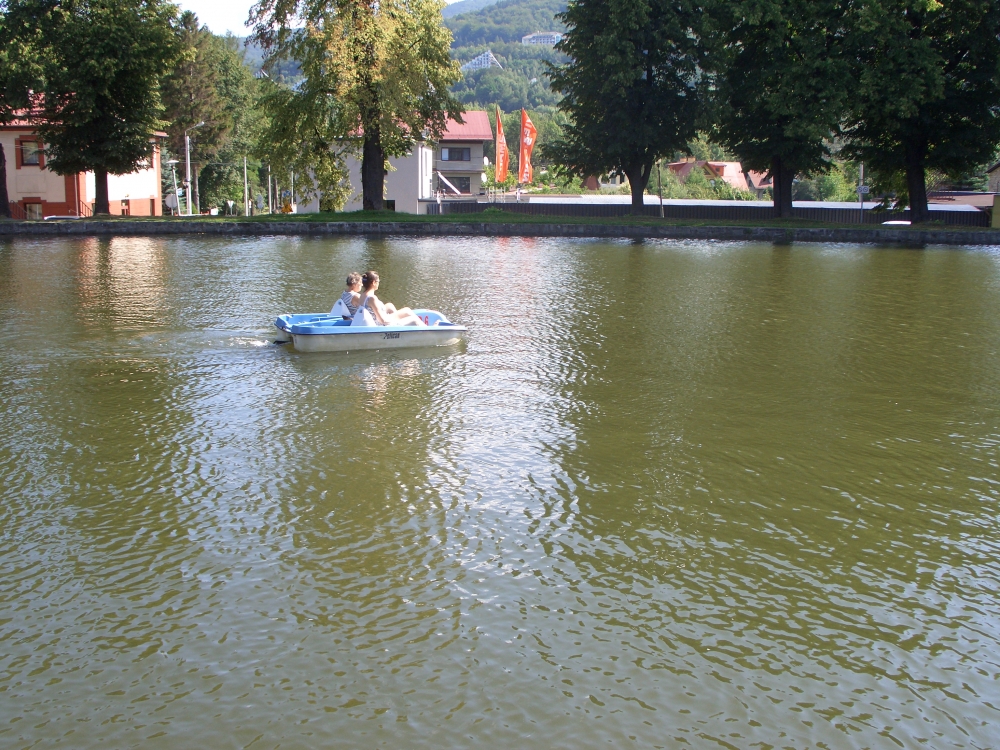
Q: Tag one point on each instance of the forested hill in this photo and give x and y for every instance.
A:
(505, 21)
(465, 6)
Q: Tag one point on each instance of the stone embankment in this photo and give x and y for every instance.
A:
(853, 235)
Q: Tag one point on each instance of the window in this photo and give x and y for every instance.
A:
(456, 154)
(390, 205)
(462, 184)
(30, 154)
(33, 211)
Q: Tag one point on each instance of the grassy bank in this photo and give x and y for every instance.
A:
(502, 217)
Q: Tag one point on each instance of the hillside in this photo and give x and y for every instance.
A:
(505, 21)
(499, 27)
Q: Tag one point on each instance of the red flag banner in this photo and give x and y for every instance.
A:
(528, 134)
(503, 155)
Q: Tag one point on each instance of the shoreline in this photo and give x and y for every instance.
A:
(777, 234)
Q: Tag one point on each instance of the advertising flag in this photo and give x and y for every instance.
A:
(503, 155)
(528, 134)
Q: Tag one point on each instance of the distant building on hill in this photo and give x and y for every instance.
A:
(548, 38)
(485, 60)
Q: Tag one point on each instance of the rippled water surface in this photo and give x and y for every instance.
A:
(665, 495)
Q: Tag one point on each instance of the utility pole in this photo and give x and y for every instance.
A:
(270, 205)
(659, 188)
(246, 193)
(187, 163)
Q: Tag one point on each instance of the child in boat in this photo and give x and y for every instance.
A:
(352, 295)
(372, 311)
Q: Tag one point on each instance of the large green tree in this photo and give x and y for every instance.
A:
(633, 88)
(377, 73)
(782, 79)
(928, 89)
(101, 102)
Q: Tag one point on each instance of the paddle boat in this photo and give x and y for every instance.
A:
(331, 332)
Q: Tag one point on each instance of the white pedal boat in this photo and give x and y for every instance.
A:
(332, 333)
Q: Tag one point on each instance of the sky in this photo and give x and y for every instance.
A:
(224, 15)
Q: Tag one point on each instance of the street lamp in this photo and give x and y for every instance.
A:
(173, 174)
(187, 161)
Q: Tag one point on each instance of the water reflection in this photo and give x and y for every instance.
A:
(669, 493)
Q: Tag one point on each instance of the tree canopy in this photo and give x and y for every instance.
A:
(926, 90)
(632, 88)
(102, 63)
(782, 79)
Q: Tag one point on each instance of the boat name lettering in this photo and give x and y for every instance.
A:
(390, 335)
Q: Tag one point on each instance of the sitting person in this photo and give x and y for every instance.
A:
(373, 312)
(351, 297)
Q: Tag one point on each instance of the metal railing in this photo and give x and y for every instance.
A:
(16, 212)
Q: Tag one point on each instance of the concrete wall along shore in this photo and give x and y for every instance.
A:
(880, 236)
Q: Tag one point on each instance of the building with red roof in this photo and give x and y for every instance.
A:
(36, 192)
(451, 169)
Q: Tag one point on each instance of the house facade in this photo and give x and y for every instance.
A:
(36, 192)
(451, 170)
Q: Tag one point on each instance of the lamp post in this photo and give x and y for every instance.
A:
(173, 174)
(187, 162)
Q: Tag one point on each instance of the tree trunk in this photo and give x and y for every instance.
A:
(4, 198)
(101, 204)
(372, 171)
(916, 185)
(638, 178)
(781, 188)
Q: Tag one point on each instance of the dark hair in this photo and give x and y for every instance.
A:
(353, 278)
(369, 279)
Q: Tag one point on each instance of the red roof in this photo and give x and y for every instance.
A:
(475, 128)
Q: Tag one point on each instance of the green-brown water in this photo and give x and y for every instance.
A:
(666, 495)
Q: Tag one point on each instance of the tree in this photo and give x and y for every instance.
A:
(101, 102)
(928, 90)
(782, 81)
(20, 72)
(632, 88)
(376, 72)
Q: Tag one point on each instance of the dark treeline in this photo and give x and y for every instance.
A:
(904, 85)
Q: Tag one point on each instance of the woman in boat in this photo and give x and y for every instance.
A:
(352, 295)
(372, 311)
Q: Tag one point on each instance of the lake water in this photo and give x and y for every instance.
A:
(667, 494)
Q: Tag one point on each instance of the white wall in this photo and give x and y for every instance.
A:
(28, 181)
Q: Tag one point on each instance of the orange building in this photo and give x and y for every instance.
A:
(35, 192)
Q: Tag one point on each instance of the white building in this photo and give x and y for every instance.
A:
(542, 37)
(451, 169)
(485, 60)
(35, 192)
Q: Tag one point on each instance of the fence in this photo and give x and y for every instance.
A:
(704, 212)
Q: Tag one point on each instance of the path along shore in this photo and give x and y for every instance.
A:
(877, 235)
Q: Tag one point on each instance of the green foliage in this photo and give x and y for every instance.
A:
(632, 87)
(839, 183)
(102, 99)
(491, 183)
(926, 93)
(506, 21)
(781, 85)
(191, 91)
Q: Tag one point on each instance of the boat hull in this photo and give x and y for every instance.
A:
(370, 338)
